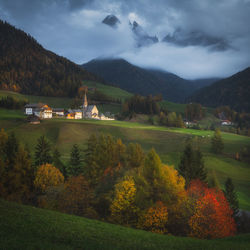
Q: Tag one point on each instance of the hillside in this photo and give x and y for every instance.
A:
(25, 227)
(233, 91)
(144, 81)
(26, 67)
(168, 142)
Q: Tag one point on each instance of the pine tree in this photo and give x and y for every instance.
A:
(43, 151)
(217, 142)
(57, 162)
(75, 166)
(11, 149)
(231, 196)
(192, 165)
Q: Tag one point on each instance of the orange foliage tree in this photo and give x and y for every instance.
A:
(77, 197)
(155, 219)
(47, 176)
(212, 217)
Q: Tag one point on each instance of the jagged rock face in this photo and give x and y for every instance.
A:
(141, 36)
(111, 20)
(196, 38)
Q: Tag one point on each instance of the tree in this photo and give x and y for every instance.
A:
(191, 166)
(47, 176)
(135, 155)
(123, 209)
(77, 197)
(57, 162)
(213, 217)
(42, 151)
(231, 196)
(155, 219)
(217, 142)
(75, 164)
(21, 177)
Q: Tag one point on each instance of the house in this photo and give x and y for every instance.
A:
(46, 112)
(226, 123)
(74, 114)
(105, 118)
(58, 112)
(30, 108)
(32, 119)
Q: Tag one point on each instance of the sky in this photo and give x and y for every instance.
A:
(74, 29)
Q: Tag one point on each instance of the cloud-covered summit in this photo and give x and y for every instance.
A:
(214, 40)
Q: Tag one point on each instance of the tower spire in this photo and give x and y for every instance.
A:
(85, 104)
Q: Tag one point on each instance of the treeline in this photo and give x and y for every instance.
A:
(121, 184)
(240, 120)
(10, 102)
(141, 105)
(194, 112)
(26, 67)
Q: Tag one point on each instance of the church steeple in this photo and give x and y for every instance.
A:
(85, 104)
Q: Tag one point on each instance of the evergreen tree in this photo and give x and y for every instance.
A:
(192, 165)
(75, 166)
(43, 152)
(231, 196)
(57, 162)
(11, 149)
(217, 142)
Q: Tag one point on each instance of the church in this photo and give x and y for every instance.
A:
(89, 111)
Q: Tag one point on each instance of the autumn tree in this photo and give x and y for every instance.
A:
(42, 151)
(231, 196)
(46, 176)
(77, 197)
(123, 209)
(191, 166)
(155, 219)
(75, 163)
(217, 144)
(212, 217)
(135, 155)
(20, 178)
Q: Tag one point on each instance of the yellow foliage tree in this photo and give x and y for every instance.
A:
(123, 209)
(47, 176)
(156, 218)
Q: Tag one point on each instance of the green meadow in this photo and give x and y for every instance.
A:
(168, 142)
(25, 227)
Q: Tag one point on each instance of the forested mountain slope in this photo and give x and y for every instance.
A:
(26, 67)
(233, 91)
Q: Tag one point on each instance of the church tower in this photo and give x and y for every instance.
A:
(85, 104)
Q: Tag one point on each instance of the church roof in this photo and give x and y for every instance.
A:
(90, 108)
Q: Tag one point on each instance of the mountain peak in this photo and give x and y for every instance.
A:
(111, 20)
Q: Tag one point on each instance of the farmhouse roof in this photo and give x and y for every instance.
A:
(34, 105)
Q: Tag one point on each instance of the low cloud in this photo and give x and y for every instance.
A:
(73, 28)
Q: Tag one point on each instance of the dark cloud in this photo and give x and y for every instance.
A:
(73, 28)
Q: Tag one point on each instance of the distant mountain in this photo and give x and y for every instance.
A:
(26, 67)
(143, 81)
(233, 91)
(111, 20)
(141, 36)
(196, 38)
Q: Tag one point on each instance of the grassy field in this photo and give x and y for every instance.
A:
(64, 102)
(108, 90)
(25, 227)
(168, 142)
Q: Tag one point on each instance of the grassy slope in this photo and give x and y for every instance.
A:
(169, 143)
(65, 102)
(25, 227)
